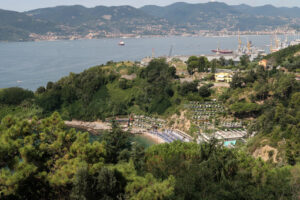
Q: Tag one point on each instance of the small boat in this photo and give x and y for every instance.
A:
(121, 43)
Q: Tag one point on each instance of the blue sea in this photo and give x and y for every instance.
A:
(33, 64)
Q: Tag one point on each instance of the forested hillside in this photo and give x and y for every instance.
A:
(288, 58)
(116, 19)
(272, 100)
(214, 16)
(269, 10)
(76, 22)
(16, 26)
(44, 160)
(40, 158)
(100, 92)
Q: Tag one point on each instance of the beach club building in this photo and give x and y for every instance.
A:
(223, 77)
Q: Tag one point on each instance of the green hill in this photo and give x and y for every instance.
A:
(76, 15)
(191, 13)
(41, 158)
(269, 10)
(122, 19)
(68, 21)
(288, 58)
(217, 16)
(18, 26)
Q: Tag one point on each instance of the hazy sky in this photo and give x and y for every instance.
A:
(22, 5)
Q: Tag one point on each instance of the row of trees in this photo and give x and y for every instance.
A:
(202, 64)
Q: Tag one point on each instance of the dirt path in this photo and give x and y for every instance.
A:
(264, 154)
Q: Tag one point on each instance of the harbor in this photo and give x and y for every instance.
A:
(248, 48)
(48, 61)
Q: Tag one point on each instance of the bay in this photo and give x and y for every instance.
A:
(33, 64)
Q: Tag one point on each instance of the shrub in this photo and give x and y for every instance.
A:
(186, 87)
(243, 109)
(204, 91)
(15, 95)
(41, 90)
(123, 84)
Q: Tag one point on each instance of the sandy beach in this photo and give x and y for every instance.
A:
(153, 138)
(148, 135)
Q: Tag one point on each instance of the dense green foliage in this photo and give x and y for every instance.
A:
(75, 91)
(186, 87)
(118, 144)
(242, 109)
(44, 160)
(100, 92)
(14, 95)
(18, 102)
(201, 64)
(25, 110)
(205, 91)
(158, 89)
(287, 58)
(272, 97)
(209, 171)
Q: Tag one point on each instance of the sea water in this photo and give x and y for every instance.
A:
(33, 64)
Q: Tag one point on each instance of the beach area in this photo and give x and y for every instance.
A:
(97, 126)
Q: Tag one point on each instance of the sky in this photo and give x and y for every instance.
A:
(24, 5)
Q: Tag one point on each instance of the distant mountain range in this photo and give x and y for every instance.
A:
(218, 16)
(73, 22)
(18, 26)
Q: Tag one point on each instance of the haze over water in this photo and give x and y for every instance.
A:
(33, 64)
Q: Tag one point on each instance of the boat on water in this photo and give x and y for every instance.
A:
(222, 51)
(121, 43)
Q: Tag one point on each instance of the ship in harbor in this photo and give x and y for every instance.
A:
(222, 51)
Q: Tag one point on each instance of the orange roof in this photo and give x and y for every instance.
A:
(263, 60)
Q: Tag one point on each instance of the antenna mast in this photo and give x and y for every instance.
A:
(171, 50)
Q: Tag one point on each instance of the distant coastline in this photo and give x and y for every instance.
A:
(179, 19)
(41, 38)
